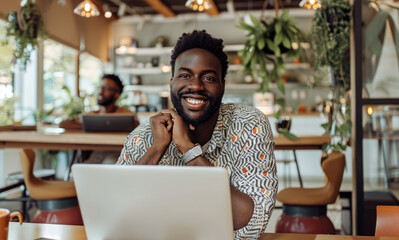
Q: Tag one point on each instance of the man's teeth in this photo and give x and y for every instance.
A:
(194, 101)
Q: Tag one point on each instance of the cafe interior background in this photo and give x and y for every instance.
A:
(135, 43)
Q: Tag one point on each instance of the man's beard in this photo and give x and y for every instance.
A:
(213, 107)
(106, 101)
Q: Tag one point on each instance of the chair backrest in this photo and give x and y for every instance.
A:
(333, 166)
(27, 163)
(387, 224)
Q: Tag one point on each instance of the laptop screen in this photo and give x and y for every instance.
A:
(154, 202)
(110, 122)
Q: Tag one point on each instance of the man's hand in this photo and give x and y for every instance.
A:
(180, 131)
(161, 127)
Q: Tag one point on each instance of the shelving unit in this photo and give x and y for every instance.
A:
(156, 79)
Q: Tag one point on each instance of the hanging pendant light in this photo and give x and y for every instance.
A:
(198, 5)
(310, 4)
(87, 9)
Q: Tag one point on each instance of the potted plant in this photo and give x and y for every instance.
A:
(271, 42)
(25, 27)
(7, 110)
(330, 39)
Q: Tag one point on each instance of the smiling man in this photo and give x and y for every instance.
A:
(202, 131)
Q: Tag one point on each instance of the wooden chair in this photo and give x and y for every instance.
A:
(387, 224)
(305, 209)
(57, 201)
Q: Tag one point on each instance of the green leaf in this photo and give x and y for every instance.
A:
(280, 85)
(254, 67)
(285, 16)
(262, 68)
(326, 126)
(289, 135)
(296, 108)
(277, 27)
(286, 42)
(270, 45)
(255, 21)
(245, 26)
(281, 102)
(261, 43)
(278, 38)
(248, 56)
(277, 115)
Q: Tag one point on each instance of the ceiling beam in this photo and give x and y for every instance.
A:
(213, 11)
(161, 8)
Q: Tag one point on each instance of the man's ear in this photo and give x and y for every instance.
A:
(116, 96)
(170, 81)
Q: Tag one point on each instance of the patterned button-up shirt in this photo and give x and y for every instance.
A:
(242, 142)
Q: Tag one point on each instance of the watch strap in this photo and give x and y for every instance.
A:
(192, 153)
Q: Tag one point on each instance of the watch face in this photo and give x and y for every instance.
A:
(197, 150)
(192, 153)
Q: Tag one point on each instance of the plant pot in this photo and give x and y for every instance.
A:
(283, 123)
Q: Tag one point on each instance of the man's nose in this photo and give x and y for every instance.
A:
(196, 84)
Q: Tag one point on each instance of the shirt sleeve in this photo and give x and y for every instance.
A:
(255, 174)
(136, 145)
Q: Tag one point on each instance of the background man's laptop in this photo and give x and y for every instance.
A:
(111, 122)
(154, 202)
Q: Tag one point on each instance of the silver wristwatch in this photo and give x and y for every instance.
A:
(192, 153)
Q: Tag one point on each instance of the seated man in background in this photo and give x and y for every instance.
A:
(202, 131)
(110, 90)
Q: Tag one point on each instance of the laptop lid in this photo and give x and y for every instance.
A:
(154, 202)
(110, 122)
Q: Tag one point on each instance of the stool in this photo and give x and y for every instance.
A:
(304, 209)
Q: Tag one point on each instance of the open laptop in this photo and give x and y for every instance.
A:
(108, 122)
(154, 202)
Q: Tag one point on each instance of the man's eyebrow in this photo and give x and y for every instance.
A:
(203, 72)
(185, 69)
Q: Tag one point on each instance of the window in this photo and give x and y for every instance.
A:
(90, 70)
(59, 69)
(6, 57)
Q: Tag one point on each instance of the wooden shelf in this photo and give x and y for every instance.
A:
(288, 66)
(142, 71)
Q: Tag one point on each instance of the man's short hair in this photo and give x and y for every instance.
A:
(116, 80)
(202, 40)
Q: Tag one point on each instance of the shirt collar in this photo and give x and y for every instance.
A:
(219, 131)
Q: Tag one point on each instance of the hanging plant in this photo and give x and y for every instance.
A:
(25, 26)
(330, 39)
(270, 42)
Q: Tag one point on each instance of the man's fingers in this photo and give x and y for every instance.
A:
(169, 124)
(171, 112)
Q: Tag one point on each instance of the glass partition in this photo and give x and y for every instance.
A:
(381, 49)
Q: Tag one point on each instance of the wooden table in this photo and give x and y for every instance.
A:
(65, 232)
(56, 139)
(53, 140)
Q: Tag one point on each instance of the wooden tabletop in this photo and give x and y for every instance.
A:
(67, 232)
(56, 139)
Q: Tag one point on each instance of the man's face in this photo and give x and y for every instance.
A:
(109, 92)
(197, 88)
